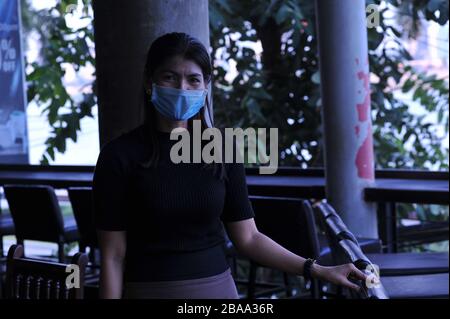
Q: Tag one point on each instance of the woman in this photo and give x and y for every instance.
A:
(160, 224)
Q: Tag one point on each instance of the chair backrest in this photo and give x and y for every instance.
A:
(346, 249)
(36, 212)
(289, 222)
(323, 214)
(334, 226)
(325, 209)
(36, 279)
(82, 205)
(354, 253)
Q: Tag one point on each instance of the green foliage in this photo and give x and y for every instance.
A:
(409, 13)
(60, 46)
(274, 89)
(280, 88)
(403, 139)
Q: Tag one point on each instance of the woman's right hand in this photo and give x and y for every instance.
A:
(339, 275)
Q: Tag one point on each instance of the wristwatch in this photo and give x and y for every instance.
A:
(307, 268)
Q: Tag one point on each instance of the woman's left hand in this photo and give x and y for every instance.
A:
(339, 275)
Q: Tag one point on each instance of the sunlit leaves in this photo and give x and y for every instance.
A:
(289, 74)
(60, 46)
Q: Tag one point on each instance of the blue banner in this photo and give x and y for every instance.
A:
(13, 120)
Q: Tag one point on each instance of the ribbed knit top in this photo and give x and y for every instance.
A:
(173, 214)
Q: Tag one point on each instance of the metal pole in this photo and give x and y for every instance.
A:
(124, 31)
(345, 88)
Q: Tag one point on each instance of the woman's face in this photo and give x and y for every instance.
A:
(180, 73)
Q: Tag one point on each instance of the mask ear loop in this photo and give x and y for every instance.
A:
(208, 107)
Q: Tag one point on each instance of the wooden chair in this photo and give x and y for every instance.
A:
(83, 211)
(36, 279)
(289, 222)
(434, 285)
(6, 228)
(37, 216)
(390, 264)
(325, 211)
(406, 279)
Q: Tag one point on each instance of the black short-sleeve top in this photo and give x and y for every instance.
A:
(173, 214)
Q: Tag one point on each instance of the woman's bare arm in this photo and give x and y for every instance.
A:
(112, 247)
(260, 248)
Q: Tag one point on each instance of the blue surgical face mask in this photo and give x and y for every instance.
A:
(176, 104)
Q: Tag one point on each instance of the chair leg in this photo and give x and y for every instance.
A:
(287, 285)
(339, 291)
(251, 281)
(92, 255)
(232, 261)
(315, 289)
(1, 246)
(61, 252)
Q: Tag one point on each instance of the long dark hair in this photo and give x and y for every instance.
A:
(163, 48)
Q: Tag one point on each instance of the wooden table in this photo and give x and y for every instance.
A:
(420, 188)
(391, 187)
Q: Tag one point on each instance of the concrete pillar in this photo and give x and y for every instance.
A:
(124, 31)
(345, 88)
